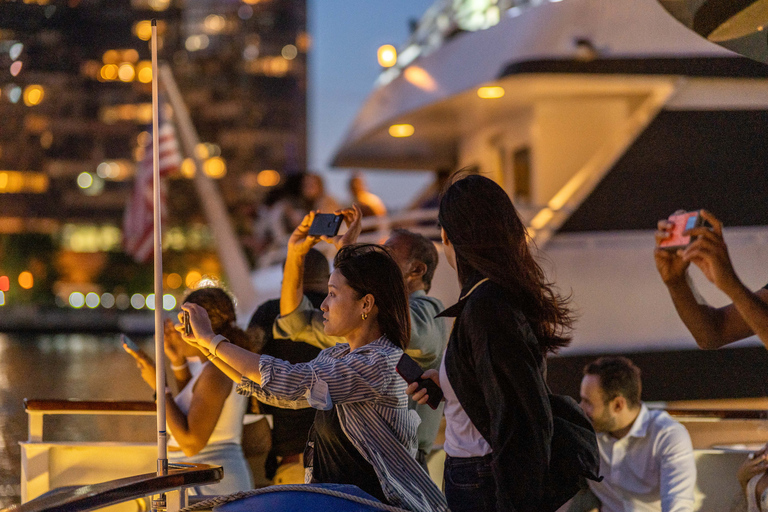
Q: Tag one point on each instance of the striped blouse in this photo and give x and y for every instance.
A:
(372, 407)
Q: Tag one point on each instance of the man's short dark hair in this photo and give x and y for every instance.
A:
(618, 376)
(316, 268)
(420, 248)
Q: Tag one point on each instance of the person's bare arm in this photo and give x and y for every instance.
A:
(299, 244)
(193, 430)
(234, 361)
(711, 327)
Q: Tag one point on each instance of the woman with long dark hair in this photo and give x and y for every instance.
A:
(364, 433)
(205, 419)
(508, 318)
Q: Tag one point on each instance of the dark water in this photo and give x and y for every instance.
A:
(86, 367)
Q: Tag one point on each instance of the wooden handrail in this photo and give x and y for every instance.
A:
(100, 406)
(718, 414)
(88, 497)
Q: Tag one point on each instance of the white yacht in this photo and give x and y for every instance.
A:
(599, 117)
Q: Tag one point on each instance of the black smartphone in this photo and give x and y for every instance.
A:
(187, 325)
(411, 372)
(327, 224)
(129, 343)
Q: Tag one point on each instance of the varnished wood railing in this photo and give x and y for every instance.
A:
(89, 497)
(38, 409)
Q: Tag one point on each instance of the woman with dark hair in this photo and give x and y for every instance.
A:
(205, 419)
(509, 317)
(363, 433)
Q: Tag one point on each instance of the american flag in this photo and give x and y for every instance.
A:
(138, 221)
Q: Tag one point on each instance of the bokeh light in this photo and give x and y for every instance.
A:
(92, 300)
(137, 301)
(169, 302)
(387, 56)
(192, 278)
(107, 300)
(173, 280)
(26, 280)
(268, 178)
(76, 300)
(33, 95)
(401, 130)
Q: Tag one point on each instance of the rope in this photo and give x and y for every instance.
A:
(221, 500)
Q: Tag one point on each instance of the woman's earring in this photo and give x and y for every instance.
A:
(365, 316)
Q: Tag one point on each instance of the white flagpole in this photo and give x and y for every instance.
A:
(162, 437)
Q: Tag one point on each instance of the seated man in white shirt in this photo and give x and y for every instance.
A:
(646, 457)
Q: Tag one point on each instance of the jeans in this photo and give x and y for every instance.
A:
(469, 484)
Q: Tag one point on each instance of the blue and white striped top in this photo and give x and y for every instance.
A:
(372, 406)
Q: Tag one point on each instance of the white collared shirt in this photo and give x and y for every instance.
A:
(652, 468)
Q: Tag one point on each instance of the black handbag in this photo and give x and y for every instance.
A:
(574, 455)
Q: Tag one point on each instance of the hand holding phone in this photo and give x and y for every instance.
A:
(128, 342)
(325, 224)
(681, 222)
(412, 372)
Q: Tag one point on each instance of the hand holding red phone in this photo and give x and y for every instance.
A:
(669, 262)
(710, 253)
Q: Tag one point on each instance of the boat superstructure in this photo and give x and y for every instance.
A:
(598, 117)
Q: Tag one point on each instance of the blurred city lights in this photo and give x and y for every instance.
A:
(245, 12)
(251, 52)
(215, 167)
(143, 30)
(125, 72)
(196, 42)
(33, 95)
(173, 280)
(15, 50)
(107, 300)
(387, 55)
(111, 57)
(289, 52)
(2, 298)
(188, 168)
(14, 93)
(109, 71)
(169, 302)
(144, 71)
(251, 2)
(26, 280)
(76, 300)
(159, 5)
(122, 301)
(401, 130)
(137, 301)
(268, 178)
(303, 42)
(84, 180)
(490, 92)
(130, 55)
(46, 139)
(92, 300)
(5, 283)
(16, 68)
(150, 302)
(214, 23)
(192, 278)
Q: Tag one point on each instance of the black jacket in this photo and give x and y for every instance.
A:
(494, 365)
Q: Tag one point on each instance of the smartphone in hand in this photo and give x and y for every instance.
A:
(327, 224)
(411, 372)
(681, 222)
(128, 342)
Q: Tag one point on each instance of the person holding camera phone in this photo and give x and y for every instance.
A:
(363, 433)
(417, 258)
(711, 327)
(205, 419)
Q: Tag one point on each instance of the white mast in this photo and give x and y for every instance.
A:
(162, 437)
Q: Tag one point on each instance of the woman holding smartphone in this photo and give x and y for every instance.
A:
(205, 419)
(498, 417)
(363, 433)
